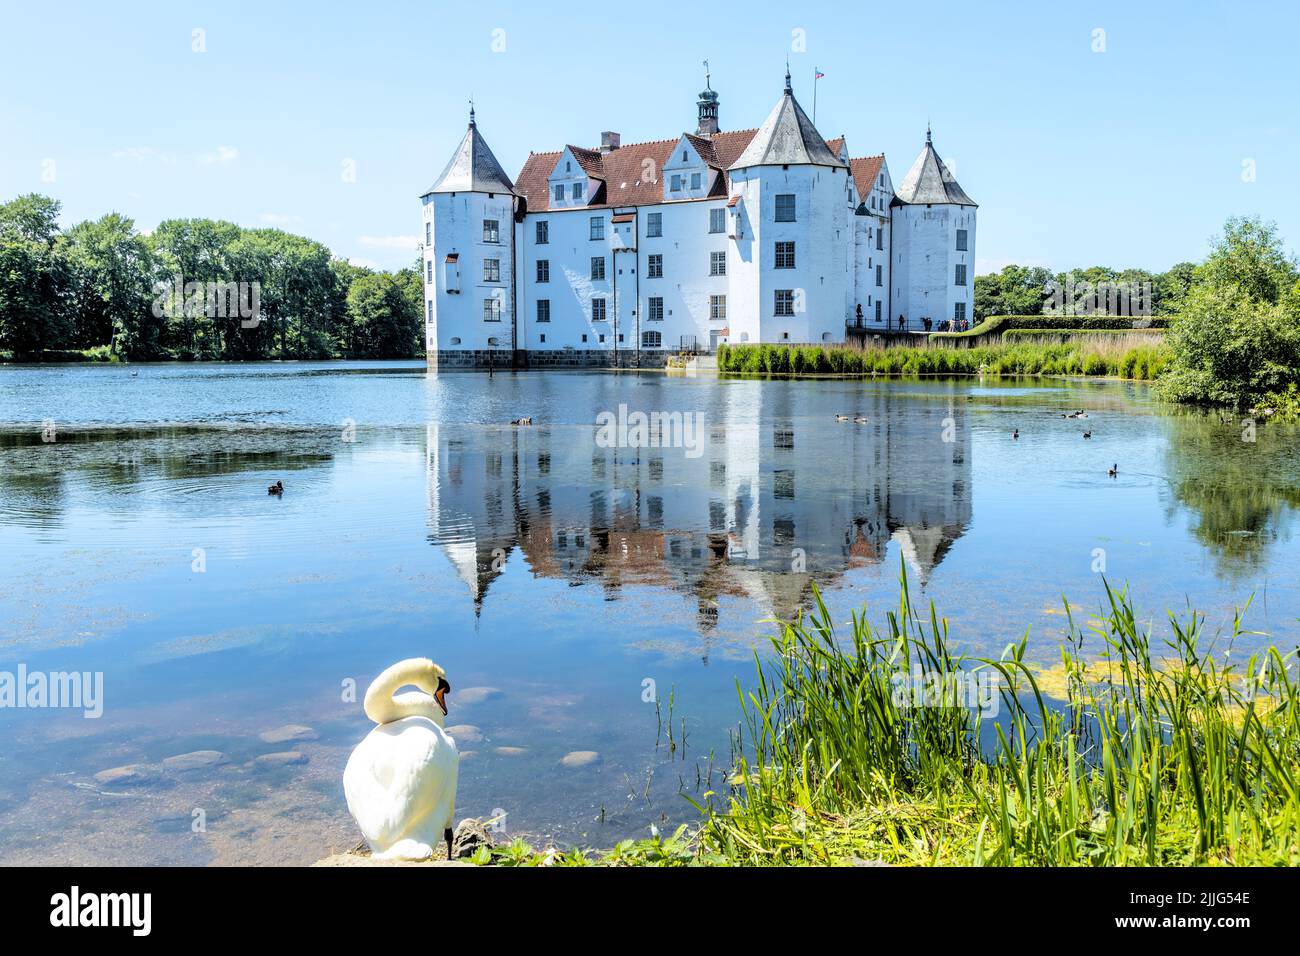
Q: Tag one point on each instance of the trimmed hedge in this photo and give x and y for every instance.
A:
(1071, 323)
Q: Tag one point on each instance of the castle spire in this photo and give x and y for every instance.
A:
(708, 107)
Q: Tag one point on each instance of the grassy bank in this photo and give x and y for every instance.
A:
(1159, 750)
(1106, 356)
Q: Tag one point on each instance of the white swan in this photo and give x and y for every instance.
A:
(400, 781)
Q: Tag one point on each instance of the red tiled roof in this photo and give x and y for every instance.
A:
(836, 145)
(865, 171)
(621, 170)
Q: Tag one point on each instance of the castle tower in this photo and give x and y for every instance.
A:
(789, 199)
(708, 108)
(933, 275)
(468, 236)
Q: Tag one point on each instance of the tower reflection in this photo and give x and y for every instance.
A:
(780, 496)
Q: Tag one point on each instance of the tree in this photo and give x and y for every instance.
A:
(112, 274)
(1237, 339)
(386, 322)
(34, 280)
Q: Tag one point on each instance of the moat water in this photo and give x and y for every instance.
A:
(562, 584)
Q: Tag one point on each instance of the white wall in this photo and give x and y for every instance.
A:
(457, 227)
(925, 261)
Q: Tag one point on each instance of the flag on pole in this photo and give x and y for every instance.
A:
(819, 75)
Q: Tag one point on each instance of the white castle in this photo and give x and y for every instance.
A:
(620, 255)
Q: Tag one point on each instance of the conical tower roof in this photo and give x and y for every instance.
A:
(787, 137)
(930, 181)
(473, 168)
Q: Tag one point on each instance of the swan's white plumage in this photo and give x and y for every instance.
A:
(400, 781)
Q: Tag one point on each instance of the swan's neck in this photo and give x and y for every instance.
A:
(383, 708)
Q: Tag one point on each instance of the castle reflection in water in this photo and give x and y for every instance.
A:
(778, 496)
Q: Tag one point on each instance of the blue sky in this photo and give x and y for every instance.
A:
(1129, 157)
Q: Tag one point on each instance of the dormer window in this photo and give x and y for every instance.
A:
(696, 180)
(559, 192)
(677, 183)
(579, 190)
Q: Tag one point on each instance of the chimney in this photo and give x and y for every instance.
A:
(609, 142)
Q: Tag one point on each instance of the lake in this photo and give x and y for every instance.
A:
(564, 580)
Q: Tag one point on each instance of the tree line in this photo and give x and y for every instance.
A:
(1034, 290)
(105, 290)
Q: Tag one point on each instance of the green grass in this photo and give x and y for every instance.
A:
(1070, 358)
(1162, 751)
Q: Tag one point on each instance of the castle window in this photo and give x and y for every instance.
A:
(697, 180)
(597, 227)
(961, 241)
(717, 263)
(785, 207)
(542, 338)
(428, 312)
(543, 232)
(717, 220)
(579, 190)
(602, 337)
(654, 224)
(559, 192)
(878, 282)
(492, 309)
(430, 271)
(598, 312)
(652, 339)
(785, 255)
(961, 274)
(543, 310)
(428, 233)
(656, 308)
(491, 230)
(655, 266)
(878, 318)
(491, 270)
(584, 336)
(597, 267)
(784, 302)
(543, 270)
(959, 311)
(717, 307)
(880, 240)
(677, 183)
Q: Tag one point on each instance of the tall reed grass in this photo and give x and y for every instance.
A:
(1158, 755)
(1141, 360)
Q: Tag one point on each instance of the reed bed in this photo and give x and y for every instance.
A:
(1138, 360)
(1158, 755)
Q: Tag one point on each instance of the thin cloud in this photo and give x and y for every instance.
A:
(390, 242)
(224, 154)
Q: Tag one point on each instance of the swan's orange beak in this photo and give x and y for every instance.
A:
(441, 693)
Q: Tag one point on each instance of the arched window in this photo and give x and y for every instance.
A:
(744, 336)
(651, 340)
